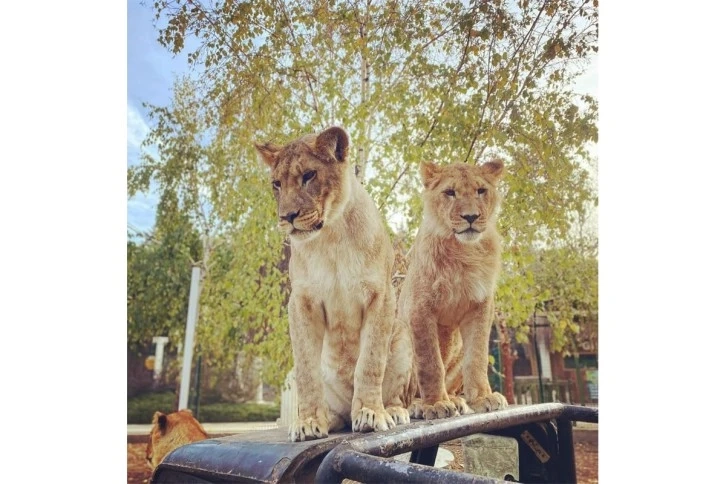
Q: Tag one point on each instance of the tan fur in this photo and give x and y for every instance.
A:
(171, 431)
(353, 362)
(448, 293)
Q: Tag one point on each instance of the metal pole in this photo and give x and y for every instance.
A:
(578, 379)
(500, 367)
(539, 358)
(568, 472)
(189, 339)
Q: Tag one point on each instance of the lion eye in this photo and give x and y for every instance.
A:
(276, 185)
(450, 193)
(482, 191)
(309, 175)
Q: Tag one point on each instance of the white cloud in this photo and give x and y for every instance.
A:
(141, 208)
(587, 82)
(136, 127)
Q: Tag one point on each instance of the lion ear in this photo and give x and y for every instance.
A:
(430, 173)
(493, 170)
(333, 143)
(160, 420)
(268, 153)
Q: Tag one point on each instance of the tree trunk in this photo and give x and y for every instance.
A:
(364, 95)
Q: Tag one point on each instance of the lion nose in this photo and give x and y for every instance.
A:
(290, 216)
(470, 218)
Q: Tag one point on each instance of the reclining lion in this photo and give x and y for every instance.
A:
(170, 431)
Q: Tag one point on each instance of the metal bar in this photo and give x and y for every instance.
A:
(580, 414)
(368, 468)
(426, 456)
(443, 430)
(405, 439)
(566, 447)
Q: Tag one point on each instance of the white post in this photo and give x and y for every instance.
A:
(288, 404)
(260, 392)
(159, 341)
(189, 339)
(260, 386)
(544, 351)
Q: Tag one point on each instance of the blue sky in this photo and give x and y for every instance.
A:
(151, 71)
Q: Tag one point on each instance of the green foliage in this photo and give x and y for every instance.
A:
(410, 81)
(140, 410)
(158, 277)
(567, 276)
(238, 412)
(201, 167)
(244, 304)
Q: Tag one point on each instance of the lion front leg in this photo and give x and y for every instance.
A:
(306, 334)
(475, 329)
(367, 410)
(398, 386)
(434, 402)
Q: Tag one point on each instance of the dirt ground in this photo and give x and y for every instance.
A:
(585, 456)
(585, 460)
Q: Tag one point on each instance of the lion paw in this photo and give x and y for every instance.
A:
(415, 410)
(440, 409)
(461, 405)
(367, 420)
(308, 429)
(399, 414)
(488, 403)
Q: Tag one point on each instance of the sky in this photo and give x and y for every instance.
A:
(151, 71)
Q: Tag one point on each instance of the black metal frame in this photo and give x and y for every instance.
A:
(364, 459)
(266, 457)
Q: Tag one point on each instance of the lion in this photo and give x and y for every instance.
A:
(448, 294)
(353, 361)
(170, 431)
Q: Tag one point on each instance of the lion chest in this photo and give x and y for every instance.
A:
(343, 285)
(455, 286)
(336, 276)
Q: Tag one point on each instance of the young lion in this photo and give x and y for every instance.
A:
(448, 293)
(351, 357)
(171, 431)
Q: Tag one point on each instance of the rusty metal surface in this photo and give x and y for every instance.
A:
(346, 456)
(267, 457)
(422, 434)
(261, 457)
(577, 413)
(368, 468)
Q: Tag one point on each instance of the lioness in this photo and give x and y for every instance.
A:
(171, 431)
(352, 362)
(448, 293)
